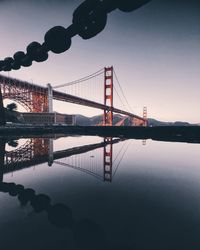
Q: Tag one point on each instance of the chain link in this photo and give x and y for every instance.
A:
(127, 5)
(88, 20)
(56, 40)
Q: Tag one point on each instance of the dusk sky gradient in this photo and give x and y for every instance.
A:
(155, 51)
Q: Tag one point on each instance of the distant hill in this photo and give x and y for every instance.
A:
(15, 117)
(96, 120)
(153, 122)
(82, 120)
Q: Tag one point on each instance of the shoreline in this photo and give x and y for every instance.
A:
(161, 133)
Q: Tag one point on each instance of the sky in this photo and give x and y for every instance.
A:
(155, 51)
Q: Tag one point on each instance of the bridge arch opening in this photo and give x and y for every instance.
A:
(22, 106)
(13, 145)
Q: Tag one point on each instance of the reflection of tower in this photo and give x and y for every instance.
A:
(2, 154)
(108, 158)
(144, 142)
(2, 112)
(40, 146)
(50, 153)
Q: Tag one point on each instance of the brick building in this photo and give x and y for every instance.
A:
(48, 118)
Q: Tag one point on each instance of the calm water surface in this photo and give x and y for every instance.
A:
(76, 193)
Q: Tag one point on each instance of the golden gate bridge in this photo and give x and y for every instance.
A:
(89, 19)
(39, 99)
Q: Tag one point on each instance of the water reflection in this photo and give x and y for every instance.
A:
(135, 212)
(154, 229)
(2, 154)
(36, 151)
(86, 232)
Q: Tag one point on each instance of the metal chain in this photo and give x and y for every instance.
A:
(89, 19)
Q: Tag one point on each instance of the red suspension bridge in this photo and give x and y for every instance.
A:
(39, 99)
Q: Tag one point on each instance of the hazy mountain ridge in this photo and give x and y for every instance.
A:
(95, 120)
(15, 117)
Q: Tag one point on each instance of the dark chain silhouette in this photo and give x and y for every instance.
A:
(88, 20)
(86, 233)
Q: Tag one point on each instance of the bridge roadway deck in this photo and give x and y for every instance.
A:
(77, 100)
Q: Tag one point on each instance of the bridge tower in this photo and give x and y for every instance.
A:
(108, 159)
(2, 112)
(145, 116)
(141, 121)
(50, 98)
(108, 96)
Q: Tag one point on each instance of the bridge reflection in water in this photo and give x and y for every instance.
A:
(36, 151)
(144, 207)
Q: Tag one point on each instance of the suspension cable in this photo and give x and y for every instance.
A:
(125, 107)
(123, 92)
(99, 72)
(121, 159)
(117, 156)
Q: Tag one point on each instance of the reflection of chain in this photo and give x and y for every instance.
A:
(88, 20)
